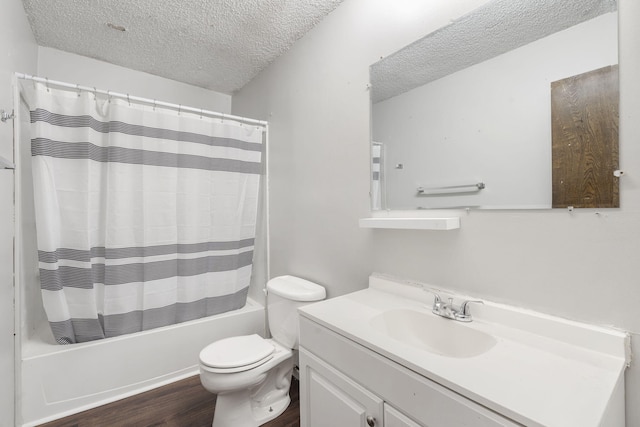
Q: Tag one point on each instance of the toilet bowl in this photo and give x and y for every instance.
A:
(249, 395)
(251, 375)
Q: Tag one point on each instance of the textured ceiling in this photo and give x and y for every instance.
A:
(491, 30)
(216, 44)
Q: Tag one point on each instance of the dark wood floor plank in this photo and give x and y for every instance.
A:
(181, 404)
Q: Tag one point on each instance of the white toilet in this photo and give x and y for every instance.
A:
(251, 375)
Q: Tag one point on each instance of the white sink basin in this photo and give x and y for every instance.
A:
(433, 333)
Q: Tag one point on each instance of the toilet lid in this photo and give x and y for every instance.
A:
(236, 352)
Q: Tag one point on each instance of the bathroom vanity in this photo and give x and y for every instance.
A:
(380, 357)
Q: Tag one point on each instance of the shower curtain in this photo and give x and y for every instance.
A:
(145, 217)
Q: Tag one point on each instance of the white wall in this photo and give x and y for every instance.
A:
(317, 104)
(19, 53)
(582, 265)
(487, 123)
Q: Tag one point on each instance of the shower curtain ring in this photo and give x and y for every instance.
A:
(95, 94)
(47, 83)
(179, 109)
(201, 113)
(78, 89)
(108, 96)
(221, 118)
(128, 100)
(154, 105)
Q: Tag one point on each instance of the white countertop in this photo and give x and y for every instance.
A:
(543, 371)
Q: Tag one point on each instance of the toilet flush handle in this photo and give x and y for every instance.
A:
(371, 421)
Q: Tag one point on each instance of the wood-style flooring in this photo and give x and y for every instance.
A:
(181, 404)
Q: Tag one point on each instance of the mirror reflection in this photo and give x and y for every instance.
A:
(513, 106)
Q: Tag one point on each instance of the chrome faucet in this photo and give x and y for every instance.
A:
(450, 311)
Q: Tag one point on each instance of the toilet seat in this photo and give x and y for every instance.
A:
(236, 354)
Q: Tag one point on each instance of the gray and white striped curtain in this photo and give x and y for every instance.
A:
(145, 217)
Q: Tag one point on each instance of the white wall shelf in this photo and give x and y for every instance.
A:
(450, 223)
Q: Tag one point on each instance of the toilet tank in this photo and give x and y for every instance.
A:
(284, 295)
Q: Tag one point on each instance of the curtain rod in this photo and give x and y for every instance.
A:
(138, 99)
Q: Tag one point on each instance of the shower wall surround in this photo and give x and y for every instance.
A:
(316, 99)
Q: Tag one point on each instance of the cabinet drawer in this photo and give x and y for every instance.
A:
(416, 396)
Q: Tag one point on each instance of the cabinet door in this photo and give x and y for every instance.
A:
(394, 418)
(329, 399)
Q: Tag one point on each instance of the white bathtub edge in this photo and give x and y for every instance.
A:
(132, 392)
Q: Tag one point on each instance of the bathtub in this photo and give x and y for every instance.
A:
(58, 380)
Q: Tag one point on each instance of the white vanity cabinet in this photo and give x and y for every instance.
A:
(380, 356)
(347, 385)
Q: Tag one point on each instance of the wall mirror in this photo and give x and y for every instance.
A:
(512, 106)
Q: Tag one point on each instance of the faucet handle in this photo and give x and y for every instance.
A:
(436, 298)
(464, 314)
